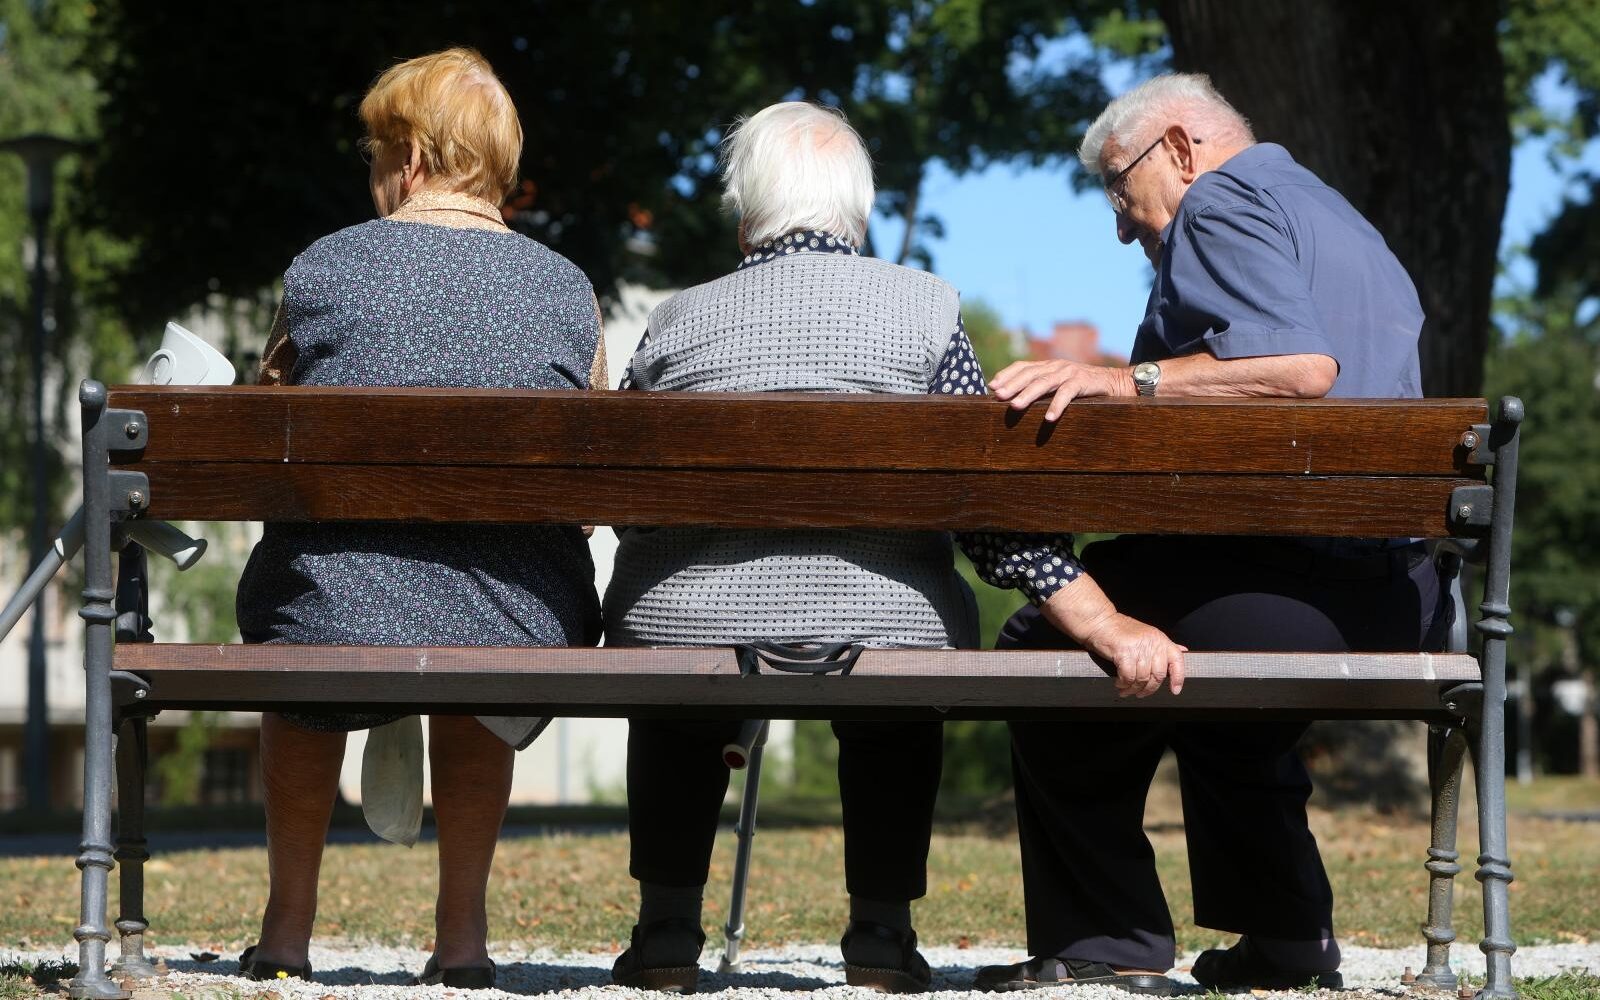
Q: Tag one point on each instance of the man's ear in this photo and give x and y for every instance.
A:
(1184, 152)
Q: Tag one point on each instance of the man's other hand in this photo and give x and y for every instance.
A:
(1143, 655)
(1023, 382)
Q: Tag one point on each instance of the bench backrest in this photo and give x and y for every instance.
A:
(1192, 466)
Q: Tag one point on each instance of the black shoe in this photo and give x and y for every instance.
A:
(262, 970)
(1037, 973)
(629, 969)
(472, 977)
(909, 975)
(1241, 968)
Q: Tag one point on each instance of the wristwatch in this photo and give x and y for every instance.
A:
(1146, 376)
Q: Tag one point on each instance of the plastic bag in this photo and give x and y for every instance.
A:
(391, 780)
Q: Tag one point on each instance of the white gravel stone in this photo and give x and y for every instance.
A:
(376, 972)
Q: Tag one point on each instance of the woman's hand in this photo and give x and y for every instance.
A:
(1143, 655)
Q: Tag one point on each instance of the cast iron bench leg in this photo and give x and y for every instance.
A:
(1447, 748)
(99, 615)
(133, 750)
(1487, 729)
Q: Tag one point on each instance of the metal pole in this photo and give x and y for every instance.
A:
(40, 154)
(745, 833)
(36, 732)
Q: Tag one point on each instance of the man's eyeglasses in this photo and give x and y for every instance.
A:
(1113, 183)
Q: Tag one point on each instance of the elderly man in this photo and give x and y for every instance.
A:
(1267, 283)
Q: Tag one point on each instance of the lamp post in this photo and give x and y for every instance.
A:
(39, 153)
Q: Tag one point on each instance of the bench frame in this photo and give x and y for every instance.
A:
(1468, 719)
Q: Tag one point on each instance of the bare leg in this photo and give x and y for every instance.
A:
(300, 775)
(471, 770)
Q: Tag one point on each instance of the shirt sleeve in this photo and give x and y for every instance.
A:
(1037, 564)
(1234, 279)
(626, 382)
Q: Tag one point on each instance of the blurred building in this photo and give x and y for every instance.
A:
(1072, 340)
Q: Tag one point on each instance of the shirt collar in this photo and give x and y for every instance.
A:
(805, 241)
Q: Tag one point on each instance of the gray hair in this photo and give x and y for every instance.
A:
(796, 166)
(1139, 117)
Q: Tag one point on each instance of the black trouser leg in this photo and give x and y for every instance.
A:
(1089, 895)
(676, 783)
(1244, 788)
(1253, 861)
(888, 783)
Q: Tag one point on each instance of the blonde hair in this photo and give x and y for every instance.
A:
(458, 113)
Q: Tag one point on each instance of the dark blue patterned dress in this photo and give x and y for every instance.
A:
(389, 303)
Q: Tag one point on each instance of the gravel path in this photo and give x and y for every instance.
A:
(379, 973)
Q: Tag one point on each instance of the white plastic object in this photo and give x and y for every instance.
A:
(184, 359)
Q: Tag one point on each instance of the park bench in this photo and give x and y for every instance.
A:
(1177, 466)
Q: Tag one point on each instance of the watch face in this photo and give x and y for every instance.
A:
(1146, 372)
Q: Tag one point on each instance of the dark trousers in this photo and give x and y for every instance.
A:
(888, 781)
(1089, 873)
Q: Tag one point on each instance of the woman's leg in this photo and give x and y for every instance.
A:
(471, 770)
(300, 778)
(676, 783)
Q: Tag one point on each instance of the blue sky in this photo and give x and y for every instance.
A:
(1023, 241)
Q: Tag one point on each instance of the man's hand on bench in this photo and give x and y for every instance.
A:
(1142, 654)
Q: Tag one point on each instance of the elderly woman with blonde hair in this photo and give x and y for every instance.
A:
(435, 292)
(806, 311)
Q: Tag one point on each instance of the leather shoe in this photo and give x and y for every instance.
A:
(1038, 973)
(629, 969)
(261, 970)
(471, 977)
(909, 975)
(1241, 967)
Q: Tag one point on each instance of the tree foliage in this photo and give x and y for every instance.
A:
(230, 130)
(1559, 42)
(47, 91)
(1550, 358)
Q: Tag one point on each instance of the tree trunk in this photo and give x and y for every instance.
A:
(1400, 105)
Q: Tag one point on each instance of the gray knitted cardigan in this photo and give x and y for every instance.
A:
(809, 322)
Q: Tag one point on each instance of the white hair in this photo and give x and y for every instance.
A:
(797, 166)
(1140, 116)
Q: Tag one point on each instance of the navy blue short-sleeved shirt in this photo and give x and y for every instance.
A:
(1264, 259)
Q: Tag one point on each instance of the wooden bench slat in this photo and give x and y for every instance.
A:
(799, 431)
(605, 682)
(1187, 504)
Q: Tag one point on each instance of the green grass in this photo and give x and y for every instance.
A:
(19, 980)
(1556, 793)
(1567, 986)
(572, 890)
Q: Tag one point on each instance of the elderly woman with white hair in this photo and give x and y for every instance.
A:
(806, 311)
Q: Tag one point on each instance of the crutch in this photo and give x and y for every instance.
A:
(743, 754)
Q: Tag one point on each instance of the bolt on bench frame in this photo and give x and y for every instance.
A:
(1184, 466)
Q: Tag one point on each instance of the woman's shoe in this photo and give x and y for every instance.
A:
(909, 975)
(629, 969)
(262, 970)
(472, 977)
